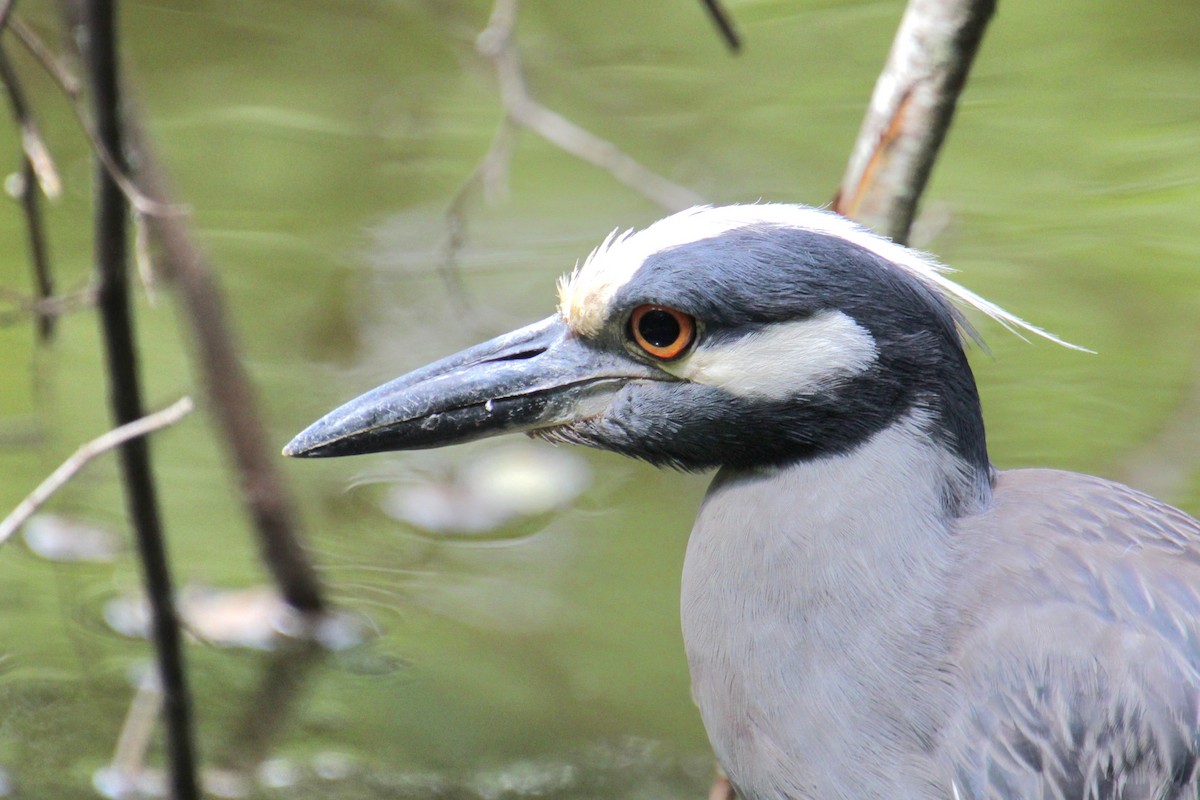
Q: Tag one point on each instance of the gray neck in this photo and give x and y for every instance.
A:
(807, 593)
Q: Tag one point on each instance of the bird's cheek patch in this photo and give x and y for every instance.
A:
(783, 360)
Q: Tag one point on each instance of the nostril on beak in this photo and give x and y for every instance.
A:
(520, 356)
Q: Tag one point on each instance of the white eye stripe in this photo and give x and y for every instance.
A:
(784, 360)
(586, 294)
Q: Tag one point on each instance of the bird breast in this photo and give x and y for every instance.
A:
(812, 614)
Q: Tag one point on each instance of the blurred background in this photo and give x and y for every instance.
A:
(513, 607)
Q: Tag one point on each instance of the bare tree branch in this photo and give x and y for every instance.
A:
(81, 457)
(99, 37)
(724, 22)
(32, 143)
(70, 86)
(37, 168)
(490, 176)
(53, 306)
(137, 731)
(521, 110)
(229, 387)
(38, 251)
(910, 112)
(496, 44)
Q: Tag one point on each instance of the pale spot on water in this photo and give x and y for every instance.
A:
(491, 489)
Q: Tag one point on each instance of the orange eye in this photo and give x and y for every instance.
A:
(662, 332)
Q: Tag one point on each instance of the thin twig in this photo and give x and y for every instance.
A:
(99, 35)
(724, 22)
(37, 170)
(32, 143)
(54, 306)
(137, 732)
(81, 457)
(142, 203)
(496, 44)
(490, 175)
(910, 112)
(38, 252)
(522, 110)
(58, 71)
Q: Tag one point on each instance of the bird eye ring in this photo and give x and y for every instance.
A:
(662, 332)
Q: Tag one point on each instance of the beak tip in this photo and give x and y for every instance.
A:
(306, 445)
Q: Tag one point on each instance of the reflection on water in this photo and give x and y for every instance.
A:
(318, 145)
(58, 538)
(496, 489)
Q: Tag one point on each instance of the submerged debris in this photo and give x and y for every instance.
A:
(255, 618)
(495, 488)
(55, 537)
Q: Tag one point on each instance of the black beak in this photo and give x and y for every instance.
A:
(540, 376)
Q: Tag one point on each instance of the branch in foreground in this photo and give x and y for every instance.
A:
(55, 306)
(724, 23)
(32, 143)
(69, 85)
(910, 112)
(86, 452)
(37, 170)
(98, 32)
(229, 387)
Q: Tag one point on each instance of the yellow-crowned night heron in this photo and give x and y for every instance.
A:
(870, 609)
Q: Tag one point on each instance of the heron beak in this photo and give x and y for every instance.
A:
(539, 376)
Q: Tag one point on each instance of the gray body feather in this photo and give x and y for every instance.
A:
(1043, 643)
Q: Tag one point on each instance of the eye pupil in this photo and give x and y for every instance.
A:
(659, 328)
(660, 331)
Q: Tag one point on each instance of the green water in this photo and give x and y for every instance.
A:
(318, 144)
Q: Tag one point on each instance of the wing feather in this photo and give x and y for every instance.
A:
(1078, 652)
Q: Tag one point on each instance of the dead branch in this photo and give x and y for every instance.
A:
(497, 45)
(522, 110)
(38, 251)
(54, 306)
(81, 457)
(724, 22)
(98, 34)
(910, 112)
(137, 731)
(70, 86)
(32, 143)
(37, 169)
(230, 389)
(490, 176)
